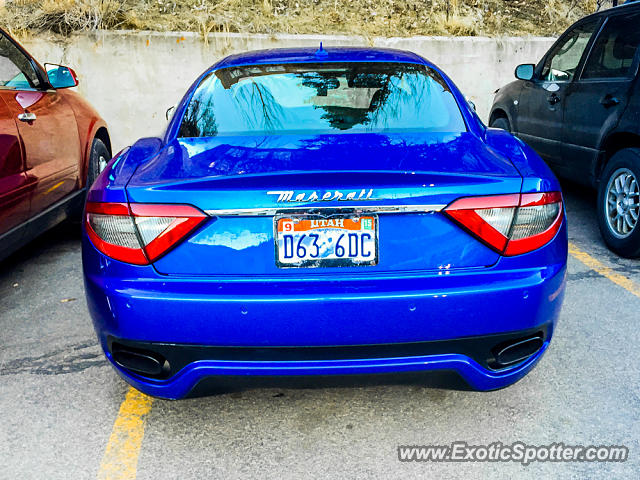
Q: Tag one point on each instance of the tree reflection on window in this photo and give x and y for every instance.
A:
(321, 98)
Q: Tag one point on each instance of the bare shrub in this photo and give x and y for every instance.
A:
(363, 17)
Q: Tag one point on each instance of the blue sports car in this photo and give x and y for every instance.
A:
(331, 212)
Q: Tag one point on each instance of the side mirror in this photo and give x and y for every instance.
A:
(471, 104)
(525, 72)
(60, 76)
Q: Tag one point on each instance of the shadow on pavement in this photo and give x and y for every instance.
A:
(61, 238)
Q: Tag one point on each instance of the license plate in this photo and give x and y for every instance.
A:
(332, 241)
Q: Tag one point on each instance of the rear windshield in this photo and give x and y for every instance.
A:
(321, 98)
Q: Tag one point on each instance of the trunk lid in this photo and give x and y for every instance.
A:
(242, 180)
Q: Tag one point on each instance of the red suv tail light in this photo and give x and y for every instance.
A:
(139, 233)
(510, 224)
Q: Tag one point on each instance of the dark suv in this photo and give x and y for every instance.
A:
(579, 108)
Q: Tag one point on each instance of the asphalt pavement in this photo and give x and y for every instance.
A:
(62, 406)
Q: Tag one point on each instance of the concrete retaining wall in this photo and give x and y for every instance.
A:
(132, 78)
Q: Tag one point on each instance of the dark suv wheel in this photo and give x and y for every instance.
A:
(619, 203)
(501, 122)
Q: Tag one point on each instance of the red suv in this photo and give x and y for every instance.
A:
(53, 144)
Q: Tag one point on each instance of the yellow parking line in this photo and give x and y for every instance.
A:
(620, 280)
(120, 461)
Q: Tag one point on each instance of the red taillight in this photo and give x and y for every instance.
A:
(510, 224)
(139, 233)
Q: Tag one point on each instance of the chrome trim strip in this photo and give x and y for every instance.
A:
(272, 211)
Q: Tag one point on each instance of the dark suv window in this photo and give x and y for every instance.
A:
(561, 64)
(613, 53)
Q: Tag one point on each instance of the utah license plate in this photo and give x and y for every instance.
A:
(333, 241)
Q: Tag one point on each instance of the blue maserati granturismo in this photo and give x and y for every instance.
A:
(324, 213)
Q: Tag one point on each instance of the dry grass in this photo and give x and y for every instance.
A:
(362, 17)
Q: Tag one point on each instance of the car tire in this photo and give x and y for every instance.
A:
(619, 203)
(501, 122)
(98, 159)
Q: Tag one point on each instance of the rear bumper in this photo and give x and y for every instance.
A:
(514, 297)
(472, 360)
(474, 376)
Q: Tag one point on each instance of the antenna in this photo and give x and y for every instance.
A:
(321, 52)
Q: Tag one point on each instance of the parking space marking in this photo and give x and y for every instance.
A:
(596, 265)
(120, 461)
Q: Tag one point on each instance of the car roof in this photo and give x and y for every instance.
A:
(315, 55)
(626, 4)
(609, 11)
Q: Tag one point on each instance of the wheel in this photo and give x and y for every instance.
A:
(619, 203)
(97, 161)
(501, 122)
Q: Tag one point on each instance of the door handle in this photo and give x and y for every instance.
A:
(553, 99)
(27, 117)
(609, 101)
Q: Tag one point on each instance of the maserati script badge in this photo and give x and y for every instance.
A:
(329, 196)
